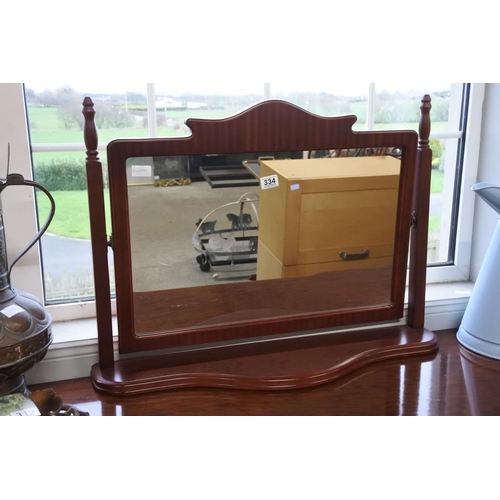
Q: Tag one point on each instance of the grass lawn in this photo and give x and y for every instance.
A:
(434, 224)
(437, 179)
(46, 127)
(71, 218)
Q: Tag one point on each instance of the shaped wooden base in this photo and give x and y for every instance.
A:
(278, 364)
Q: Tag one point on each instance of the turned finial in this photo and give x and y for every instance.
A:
(424, 128)
(89, 129)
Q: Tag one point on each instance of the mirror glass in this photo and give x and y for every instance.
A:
(260, 235)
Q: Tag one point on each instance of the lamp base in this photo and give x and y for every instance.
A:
(13, 385)
(478, 345)
(25, 336)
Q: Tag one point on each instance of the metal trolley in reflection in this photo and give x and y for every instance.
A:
(228, 235)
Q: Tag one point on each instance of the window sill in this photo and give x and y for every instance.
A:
(74, 349)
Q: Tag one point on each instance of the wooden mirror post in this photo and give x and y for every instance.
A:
(420, 222)
(270, 353)
(95, 186)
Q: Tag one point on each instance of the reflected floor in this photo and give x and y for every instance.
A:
(162, 221)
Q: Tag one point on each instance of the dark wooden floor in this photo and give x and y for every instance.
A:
(453, 381)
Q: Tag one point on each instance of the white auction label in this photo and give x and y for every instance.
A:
(141, 170)
(10, 311)
(271, 181)
(29, 412)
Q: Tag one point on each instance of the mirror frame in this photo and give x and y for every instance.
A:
(267, 126)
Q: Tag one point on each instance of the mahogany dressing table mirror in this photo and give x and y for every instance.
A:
(339, 233)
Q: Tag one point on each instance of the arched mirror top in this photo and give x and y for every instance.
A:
(271, 125)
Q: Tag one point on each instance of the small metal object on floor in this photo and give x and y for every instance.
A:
(51, 405)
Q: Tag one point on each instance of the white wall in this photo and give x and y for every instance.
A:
(485, 219)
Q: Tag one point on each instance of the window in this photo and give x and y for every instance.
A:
(54, 118)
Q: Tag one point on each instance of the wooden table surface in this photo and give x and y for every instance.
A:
(453, 381)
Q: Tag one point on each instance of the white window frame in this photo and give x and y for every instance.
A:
(460, 270)
(18, 205)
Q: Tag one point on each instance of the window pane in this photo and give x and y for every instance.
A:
(66, 251)
(55, 117)
(174, 104)
(55, 112)
(397, 106)
(327, 99)
(444, 160)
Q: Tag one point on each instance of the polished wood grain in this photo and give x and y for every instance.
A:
(275, 364)
(99, 240)
(353, 290)
(420, 225)
(451, 381)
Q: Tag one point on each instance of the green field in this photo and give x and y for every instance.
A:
(437, 180)
(434, 224)
(72, 219)
(47, 128)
